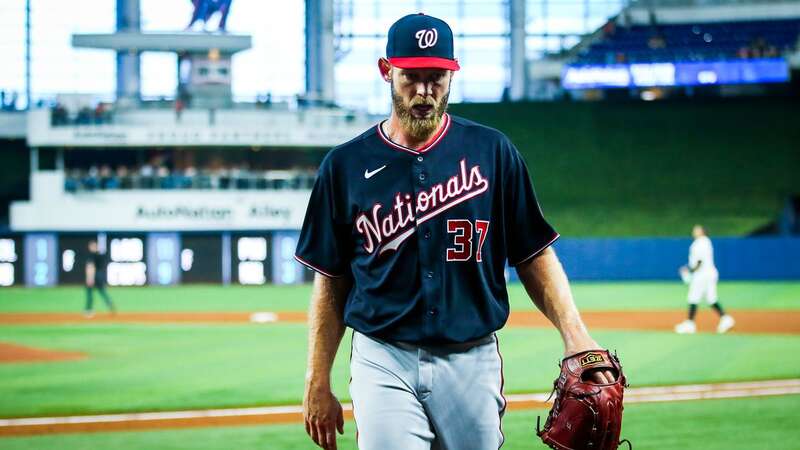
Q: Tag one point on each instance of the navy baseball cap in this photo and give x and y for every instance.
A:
(417, 41)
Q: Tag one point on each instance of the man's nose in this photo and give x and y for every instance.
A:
(424, 89)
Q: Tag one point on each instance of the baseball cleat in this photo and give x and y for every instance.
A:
(686, 327)
(726, 322)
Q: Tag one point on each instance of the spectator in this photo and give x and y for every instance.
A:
(760, 48)
(72, 181)
(656, 42)
(91, 181)
(609, 28)
(165, 179)
(146, 170)
(84, 116)
(125, 181)
(146, 176)
(59, 115)
(743, 53)
(150, 176)
(179, 106)
(107, 178)
(99, 113)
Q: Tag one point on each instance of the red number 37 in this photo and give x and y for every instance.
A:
(463, 241)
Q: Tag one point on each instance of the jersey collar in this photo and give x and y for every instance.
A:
(435, 139)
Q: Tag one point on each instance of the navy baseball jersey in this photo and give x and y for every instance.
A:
(425, 233)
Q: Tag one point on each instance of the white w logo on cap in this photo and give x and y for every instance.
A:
(427, 38)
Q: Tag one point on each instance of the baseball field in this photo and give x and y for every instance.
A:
(208, 374)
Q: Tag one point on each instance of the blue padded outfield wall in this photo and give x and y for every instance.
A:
(758, 258)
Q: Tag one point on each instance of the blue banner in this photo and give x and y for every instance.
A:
(746, 71)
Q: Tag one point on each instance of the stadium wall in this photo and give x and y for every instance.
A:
(266, 257)
(760, 258)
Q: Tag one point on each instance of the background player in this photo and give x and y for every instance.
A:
(702, 276)
(96, 264)
(409, 227)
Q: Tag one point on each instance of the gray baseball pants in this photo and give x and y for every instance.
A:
(409, 397)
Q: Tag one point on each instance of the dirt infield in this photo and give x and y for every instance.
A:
(749, 321)
(13, 353)
(779, 322)
(293, 414)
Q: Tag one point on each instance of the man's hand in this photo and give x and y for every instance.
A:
(586, 414)
(598, 376)
(321, 410)
(323, 416)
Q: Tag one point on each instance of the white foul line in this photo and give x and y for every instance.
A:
(632, 395)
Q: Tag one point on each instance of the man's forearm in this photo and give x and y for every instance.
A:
(546, 283)
(326, 327)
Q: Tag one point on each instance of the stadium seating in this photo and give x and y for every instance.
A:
(77, 181)
(692, 42)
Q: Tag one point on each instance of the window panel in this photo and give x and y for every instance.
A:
(12, 47)
(57, 67)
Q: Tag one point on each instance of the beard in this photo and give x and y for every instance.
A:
(419, 128)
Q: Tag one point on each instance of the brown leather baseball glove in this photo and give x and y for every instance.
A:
(586, 415)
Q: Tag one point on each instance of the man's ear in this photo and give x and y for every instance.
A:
(386, 69)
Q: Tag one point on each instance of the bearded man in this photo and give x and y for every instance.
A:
(409, 228)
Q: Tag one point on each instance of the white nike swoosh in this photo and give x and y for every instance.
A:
(368, 174)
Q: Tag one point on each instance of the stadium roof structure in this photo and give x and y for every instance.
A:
(189, 42)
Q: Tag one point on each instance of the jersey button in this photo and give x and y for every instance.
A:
(429, 275)
(422, 176)
(427, 235)
(432, 311)
(420, 158)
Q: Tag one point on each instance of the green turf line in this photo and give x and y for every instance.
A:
(589, 296)
(731, 424)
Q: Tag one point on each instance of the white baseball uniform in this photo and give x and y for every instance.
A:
(704, 280)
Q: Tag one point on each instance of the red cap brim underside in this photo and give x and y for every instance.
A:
(424, 62)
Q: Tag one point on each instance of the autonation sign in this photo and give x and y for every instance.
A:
(774, 70)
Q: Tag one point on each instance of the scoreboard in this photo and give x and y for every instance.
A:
(10, 260)
(163, 258)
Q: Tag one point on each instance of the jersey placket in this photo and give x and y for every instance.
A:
(427, 247)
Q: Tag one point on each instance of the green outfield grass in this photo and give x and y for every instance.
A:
(589, 296)
(150, 367)
(759, 424)
(167, 367)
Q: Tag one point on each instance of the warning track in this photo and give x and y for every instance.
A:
(293, 414)
(747, 321)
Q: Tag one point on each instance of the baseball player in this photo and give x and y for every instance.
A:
(409, 228)
(702, 276)
(96, 279)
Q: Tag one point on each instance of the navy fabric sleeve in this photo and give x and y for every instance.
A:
(527, 232)
(324, 243)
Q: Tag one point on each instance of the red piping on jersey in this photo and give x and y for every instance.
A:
(538, 251)
(315, 268)
(427, 146)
